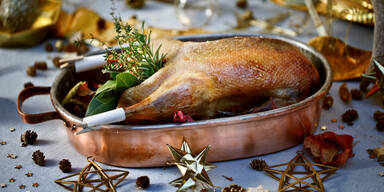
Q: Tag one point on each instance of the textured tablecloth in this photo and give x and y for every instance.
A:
(359, 174)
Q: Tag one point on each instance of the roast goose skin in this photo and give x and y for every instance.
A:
(205, 79)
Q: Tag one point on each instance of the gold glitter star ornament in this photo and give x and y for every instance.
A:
(193, 168)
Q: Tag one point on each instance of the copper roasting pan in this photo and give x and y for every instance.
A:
(230, 138)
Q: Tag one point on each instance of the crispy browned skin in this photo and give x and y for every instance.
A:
(202, 78)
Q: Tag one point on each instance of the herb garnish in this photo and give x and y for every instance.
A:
(135, 62)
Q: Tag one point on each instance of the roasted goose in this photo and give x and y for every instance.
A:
(227, 76)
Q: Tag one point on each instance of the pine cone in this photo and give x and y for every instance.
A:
(349, 116)
(378, 115)
(233, 188)
(380, 125)
(356, 94)
(29, 137)
(39, 158)
(142, 182)
(65, 166)
(258, 164)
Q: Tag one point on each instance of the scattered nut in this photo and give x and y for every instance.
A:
(242, 4)
(12, 129)
(56, 62)
(28, 84)
(41, 65)
(31, 71)
(48, 47)
(356, 94)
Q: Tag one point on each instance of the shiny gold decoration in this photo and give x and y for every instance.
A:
(193, 168)
(86, 179)
(346, 62)
(360, 11)
(18, 15)
(93, 26)
(87, 22)
(268, 25)
(311, 181)
(49, 12)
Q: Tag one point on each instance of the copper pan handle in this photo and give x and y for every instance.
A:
(39, 117)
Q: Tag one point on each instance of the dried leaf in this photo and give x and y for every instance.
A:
(330, 148)
(346, 62)
(228, 178)
(344, 93)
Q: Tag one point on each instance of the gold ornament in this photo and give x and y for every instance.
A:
(311, 181)
(31, 33)
(360, 11)
(193, 168)
(86, 179)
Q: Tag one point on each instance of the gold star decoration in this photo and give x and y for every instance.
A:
(86, 178)
(311, 181)
(193, 168)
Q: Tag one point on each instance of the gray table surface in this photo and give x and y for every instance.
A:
(358, 174)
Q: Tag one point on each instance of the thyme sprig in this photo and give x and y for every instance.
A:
(136, 55)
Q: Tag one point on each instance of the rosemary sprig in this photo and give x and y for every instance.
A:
(136, 56)
(135, 62)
